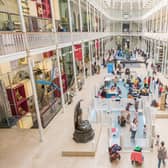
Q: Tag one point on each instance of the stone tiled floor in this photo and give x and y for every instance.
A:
(22, 149)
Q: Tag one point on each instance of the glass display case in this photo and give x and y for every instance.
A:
(48, 88)
(63, 4)
(9, 22)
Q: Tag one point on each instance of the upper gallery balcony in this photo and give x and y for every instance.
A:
(16, 43)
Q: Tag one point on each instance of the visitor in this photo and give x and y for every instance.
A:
(127, 109)
(86, 71)
(157, 140)
(144, 130)
(136, 104)
(162, 155)
(149, 81)
(133, 128)
(104, 62)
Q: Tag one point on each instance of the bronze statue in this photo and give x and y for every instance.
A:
(83, 130)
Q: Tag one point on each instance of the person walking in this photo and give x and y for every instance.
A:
(133, 128)
(162, 154)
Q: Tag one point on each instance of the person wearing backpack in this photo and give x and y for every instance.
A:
(162, 154)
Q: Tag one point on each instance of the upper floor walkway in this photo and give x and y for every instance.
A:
(14, 44)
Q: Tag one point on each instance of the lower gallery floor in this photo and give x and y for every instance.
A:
(22, 149)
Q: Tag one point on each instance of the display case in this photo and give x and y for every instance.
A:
(6, 118)
(50, 111)
(25, 7)
(17, 99)
(64, 85)
(9, 22)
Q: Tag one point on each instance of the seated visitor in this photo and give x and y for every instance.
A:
(127, 71)
(145, 82)
(130, 96)
(144, 92)
(103, 94)
(119, 91)
(154, 103)
(113, 88)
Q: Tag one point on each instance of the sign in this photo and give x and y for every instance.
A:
(78, 52)
(110, 68)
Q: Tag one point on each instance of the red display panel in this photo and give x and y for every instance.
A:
(78, 52)
(97, 44)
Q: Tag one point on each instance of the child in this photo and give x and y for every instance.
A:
(157, 140)
(144, 130)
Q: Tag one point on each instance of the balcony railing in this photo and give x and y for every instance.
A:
(11, 43)
(16, 42)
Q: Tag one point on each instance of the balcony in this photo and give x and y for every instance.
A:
(16, 44)
(12, 43)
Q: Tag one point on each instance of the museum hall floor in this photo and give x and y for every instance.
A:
(21, 148)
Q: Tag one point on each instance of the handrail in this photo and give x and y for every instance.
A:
(12, 42)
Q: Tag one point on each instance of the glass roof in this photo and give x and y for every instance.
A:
(128, 9)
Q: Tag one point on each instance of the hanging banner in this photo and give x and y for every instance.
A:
(78, 52)
(97, 45)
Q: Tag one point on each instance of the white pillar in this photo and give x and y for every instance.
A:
(87, 15)
(94, 20)
(113, 26)
(101, 22)
(31, 72)
(90, 18)
(60, 78)
(35, 100)
(160, 29)
(98, 21)
(21, 16)
(80, 15)
(52, 15)
(156, 23)
(83, 61)
(74, 67)
(166, 59)
(90, 60)
(58, 58)
(155, 53)
(163, 59)
(158, 49)
(166, 19)
(70, 16)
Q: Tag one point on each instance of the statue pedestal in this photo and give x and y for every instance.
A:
(71, 148)
(84, 133)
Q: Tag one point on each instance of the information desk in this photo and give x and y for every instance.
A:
(110, 93)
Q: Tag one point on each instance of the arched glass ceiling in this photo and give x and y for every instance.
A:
(128, 9)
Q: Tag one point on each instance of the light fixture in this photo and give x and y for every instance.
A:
(125, 16)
